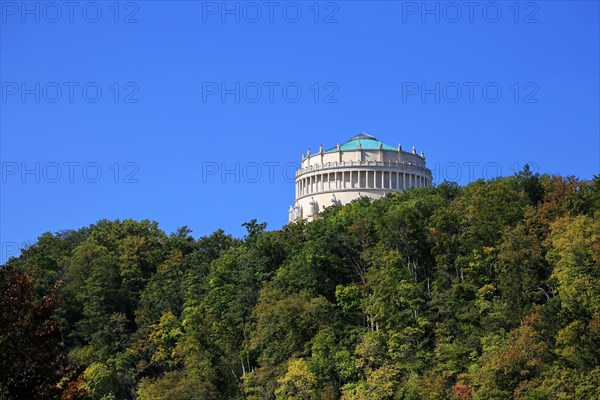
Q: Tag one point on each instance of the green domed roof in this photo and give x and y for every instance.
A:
(364, 141)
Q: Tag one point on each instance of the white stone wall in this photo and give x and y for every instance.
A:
(362, 155)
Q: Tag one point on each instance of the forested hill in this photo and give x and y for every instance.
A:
(488, 291)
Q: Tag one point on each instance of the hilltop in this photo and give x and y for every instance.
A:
(487, 291)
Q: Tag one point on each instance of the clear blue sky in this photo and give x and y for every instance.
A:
(166, 120)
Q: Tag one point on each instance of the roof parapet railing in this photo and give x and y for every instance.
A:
(314, 168)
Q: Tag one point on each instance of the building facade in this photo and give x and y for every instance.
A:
(363, 166)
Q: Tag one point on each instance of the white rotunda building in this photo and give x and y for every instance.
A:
(363, 166)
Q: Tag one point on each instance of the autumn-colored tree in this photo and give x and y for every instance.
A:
(29, 338)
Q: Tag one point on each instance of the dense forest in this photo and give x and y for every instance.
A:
(487, 291)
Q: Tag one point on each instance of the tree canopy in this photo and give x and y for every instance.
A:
(487, 291)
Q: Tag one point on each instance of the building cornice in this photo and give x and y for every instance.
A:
(361, 166)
